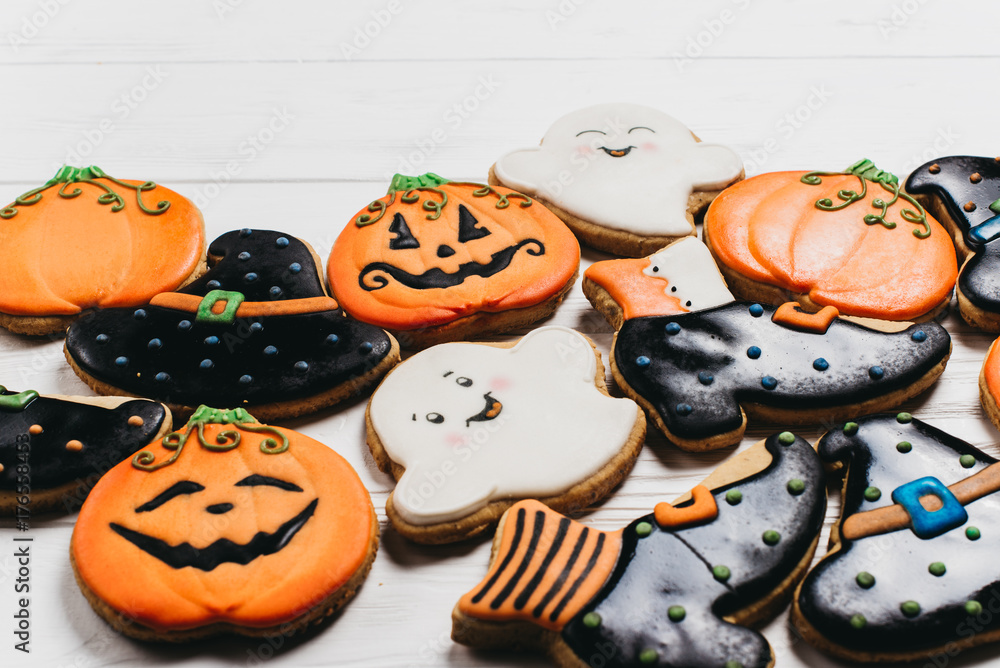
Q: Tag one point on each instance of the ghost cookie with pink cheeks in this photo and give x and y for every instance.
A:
(469, 429)
(626, 179)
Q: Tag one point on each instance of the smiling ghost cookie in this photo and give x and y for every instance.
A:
(852, 239)
(677, 587)
(702, 363)
(86, 240)
(467, 429)
(225, 526)
(627, 179)
(437, 260)
(911, 572)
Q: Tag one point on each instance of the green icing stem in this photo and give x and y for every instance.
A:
(15, 403)
(865, 171)
(410, 188)
(69, 175)
(224, 441)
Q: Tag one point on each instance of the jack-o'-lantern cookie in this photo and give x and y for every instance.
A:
(627, 179)
(257, 331)
(53, 449)
(677, 587)
(225, 526)
(87, 240)
(700, 363)
(436, 260)
(853, 240)
(963, 192)
(912, 569)
(470, 428)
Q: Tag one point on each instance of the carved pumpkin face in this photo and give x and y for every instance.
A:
(433, 251)
(851, 240)
(246, 533)
(86, 240)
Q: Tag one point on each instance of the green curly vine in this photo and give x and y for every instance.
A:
(70, 175)
(275, 444)
(411, 188)
(865, 171)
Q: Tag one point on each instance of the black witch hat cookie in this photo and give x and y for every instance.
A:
(963, 192)
(700, 363)
(912, 566)
(674, 588)
(257, 331)
(54, 449)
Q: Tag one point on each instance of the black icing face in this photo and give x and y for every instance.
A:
(222, 550)
(490, 410)
(376, 275)
(664, 602)
(597, 136)
(930, 579)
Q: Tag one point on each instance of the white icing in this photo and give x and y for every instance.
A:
(688, 266)
(556, 429)
(645, 191)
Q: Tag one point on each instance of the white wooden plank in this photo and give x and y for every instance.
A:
(363, 121)
(403, 31)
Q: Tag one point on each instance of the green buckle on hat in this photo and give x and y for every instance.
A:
(232, 301)
(16, 402)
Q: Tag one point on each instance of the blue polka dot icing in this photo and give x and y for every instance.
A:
(206, 364)
(184, 325)
(244, 256)
(756, 310)
(302, 366)
(103, 338)
(919, 336)
(250, 277)
(673, 328)
(876, 372)
(211, 340)
(154, 344)
(753, 352)
(162, 377)
(332, 339)
(820, 364)
(140, 314)
(270, 350)
(684, 409)
(275, 291)
(769, 382)
(642, 361)
(365, 347)
(281, 242)
(121, 361)
(705, 378)
(256, 327)
(246, 379)
(213, 284)
(295, 267)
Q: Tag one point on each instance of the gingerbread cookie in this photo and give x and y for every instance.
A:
(674, 588)
(853, 240)
(627, 179)
(467, 429)
(910, 572)
(436, 260)
(963, 192)
(704, 362)
(257, 331)
(87, 240)
(226, 526)
(53, 449)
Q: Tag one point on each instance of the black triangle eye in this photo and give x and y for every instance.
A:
(467, 230)
(404, 238)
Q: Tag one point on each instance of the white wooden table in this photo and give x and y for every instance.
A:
(294, 115)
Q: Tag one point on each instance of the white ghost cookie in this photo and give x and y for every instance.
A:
(468, 429)
(626, 179)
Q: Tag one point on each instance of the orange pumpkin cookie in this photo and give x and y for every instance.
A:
(88, 240)
(436, 260)
(851, 239)
(227, 525)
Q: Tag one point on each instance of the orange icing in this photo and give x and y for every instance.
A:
(768, 229)
(190, 304)
(704, 509)
(791, 315)
(60, 256)
(528, 279)
(991, 370)
(637, 294)
(552, 581)
(271, 589)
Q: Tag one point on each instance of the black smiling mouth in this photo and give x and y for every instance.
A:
(438, 278)
(222, 551)
(490, 410)
(617, 152)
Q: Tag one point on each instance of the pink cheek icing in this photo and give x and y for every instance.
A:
(499, 383)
